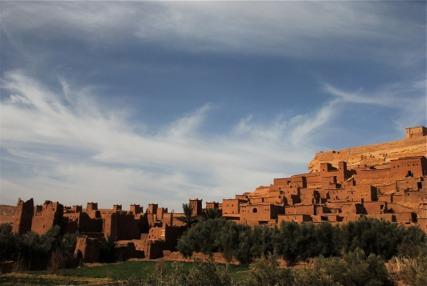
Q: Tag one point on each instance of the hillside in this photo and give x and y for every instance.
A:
(372, 155)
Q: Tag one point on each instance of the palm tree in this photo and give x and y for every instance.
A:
(188, 214)
(210, 214)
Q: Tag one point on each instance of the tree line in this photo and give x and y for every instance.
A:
(298, 242)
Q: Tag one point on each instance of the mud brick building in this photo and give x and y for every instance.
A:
(384, 181)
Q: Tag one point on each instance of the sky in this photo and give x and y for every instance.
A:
(141, 102)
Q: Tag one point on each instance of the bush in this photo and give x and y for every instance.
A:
(106, 250)
(265, 271)
(200, 274)
(31, 251)
(7, 243)
(412, 271)
(355, 268)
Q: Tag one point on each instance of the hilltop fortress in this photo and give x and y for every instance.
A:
(385, 181)
(414, 144)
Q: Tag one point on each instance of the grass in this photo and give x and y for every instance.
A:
(101, 274)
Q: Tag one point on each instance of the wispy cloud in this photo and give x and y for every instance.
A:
(76, 151)
(63, 145)
(408, 99)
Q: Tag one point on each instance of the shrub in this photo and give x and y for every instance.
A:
(355, 268)
(265, 271)
(412, 271)
(8, 246)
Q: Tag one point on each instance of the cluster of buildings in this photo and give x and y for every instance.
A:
(394, 190)
(333, 192)
(135, 232)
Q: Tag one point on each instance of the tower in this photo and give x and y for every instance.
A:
(196, 207)
(23, 216)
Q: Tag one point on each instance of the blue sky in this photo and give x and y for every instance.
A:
(160, 101)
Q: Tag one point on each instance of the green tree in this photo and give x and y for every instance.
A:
(188, 215)
(266, 271)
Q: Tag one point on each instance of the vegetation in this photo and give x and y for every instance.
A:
(31, 251)
(349, 254)
(300, 242)
(188, 215)
(354, 268)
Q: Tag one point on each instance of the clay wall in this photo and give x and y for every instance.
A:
(136, 209)
(375, 207)
(7, 214)
(255, 214)
(409, 183)
(299, 218)
(300, 210)
(414, 132)
(173, 219)
(281, 182)
(152, 208)
(352, 208)
(398, 208)
(161, 212)
(309, 196)
(212, 205)
(48, 216)
(410, 198)
(314, 180)
(87, 248)
(406, 217)
(196, 207)
(373, 176)
(299, 181)
(238, 197)
(121, 226)
(364, 193)
(231, 206)
(22, 221)
(339, 195)
(408, 167)
(386, 198)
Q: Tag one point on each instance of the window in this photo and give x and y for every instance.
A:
(254, 210)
